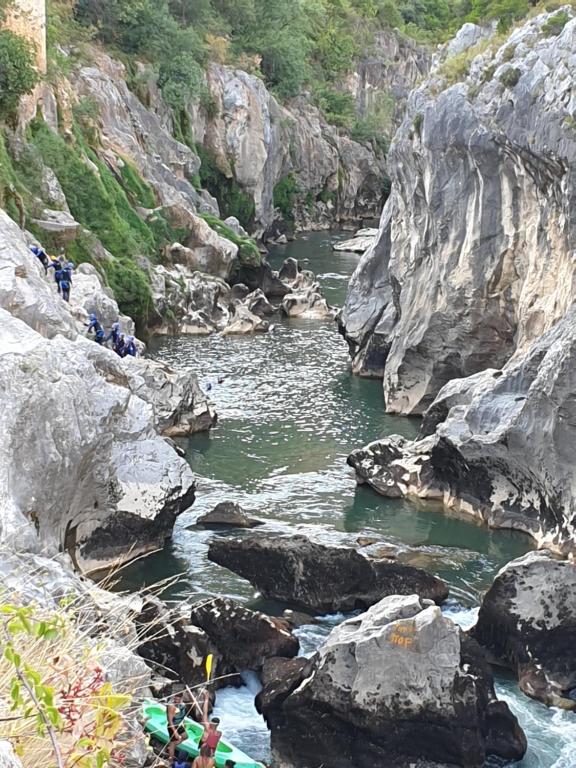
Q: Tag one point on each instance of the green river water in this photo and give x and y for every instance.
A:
(289, 414)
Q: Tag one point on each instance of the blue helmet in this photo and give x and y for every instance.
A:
(115, 326)
(93, 317)
(70, 265)
(131, 338)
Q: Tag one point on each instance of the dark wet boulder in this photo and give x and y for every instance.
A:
(320, 577)
(528, 622)
(397, 686)
(171, 645)
(228, 514)
(244, 638)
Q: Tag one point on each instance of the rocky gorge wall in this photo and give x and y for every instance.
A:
(474, 258)
(465, 304)
(86, 469)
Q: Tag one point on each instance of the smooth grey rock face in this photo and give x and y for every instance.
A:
(396, 685)
(527, 620)
(258, 142)
(85, 468)
(498, 445)
(318, 577)
(477, 224)
(129, 130)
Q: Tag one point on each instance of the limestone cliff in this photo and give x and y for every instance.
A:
(85, 468)
(474, 258)
(468, 295)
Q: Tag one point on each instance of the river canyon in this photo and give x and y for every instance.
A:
(329, 492)
(289, 410)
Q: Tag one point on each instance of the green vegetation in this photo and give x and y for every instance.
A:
(248, 253)
(231, 199)
(62, 710)
(510, 77)
(555, 24)
(17, 73)
(284, 196)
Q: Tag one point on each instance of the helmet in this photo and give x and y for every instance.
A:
(70, 265)
(115, 326)
(130, 338)
(93, 317)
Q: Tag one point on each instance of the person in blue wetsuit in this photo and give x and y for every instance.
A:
(95, 326)
(129, 347)
(56, 265)
(114, 334)
(64, 286)
(38, 251)
(119, 345)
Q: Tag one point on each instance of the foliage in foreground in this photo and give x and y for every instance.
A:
(56, 707)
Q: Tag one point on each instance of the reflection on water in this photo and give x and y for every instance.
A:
(289, 415)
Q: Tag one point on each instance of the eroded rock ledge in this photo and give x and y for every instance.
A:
(498, 445)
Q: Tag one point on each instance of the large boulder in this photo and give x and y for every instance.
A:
(527, 621)
(244, 638)
(171, 645)
(456, 281)
(319, 577)
(84, 468)
(499, 445)
(394, 686)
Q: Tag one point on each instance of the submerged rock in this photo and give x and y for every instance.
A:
(394, 686)
(527, 621)
(244, 638)
(229, 515)
(318, 577)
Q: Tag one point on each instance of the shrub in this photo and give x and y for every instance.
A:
(509, 78)
(17, 73)
(418, 120)
(337, 106)
(284, 196)
(233, 201)
(131, 288)
(62, 710)
(555, 24)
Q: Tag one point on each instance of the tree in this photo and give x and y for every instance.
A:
(17, 73)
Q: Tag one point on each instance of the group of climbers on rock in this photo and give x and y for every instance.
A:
(123, 345)
(62, 270)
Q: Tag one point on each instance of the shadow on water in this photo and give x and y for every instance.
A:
(290, 413)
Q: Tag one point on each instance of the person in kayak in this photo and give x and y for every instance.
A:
(176, 712)
(204, 759)
(211, 736)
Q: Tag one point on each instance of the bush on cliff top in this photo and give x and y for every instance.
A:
(17, 73)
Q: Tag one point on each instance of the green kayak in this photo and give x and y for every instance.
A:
(156, 724)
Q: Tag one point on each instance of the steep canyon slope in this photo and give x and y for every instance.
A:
(473, 276)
